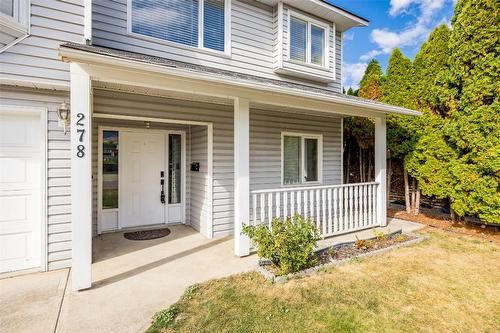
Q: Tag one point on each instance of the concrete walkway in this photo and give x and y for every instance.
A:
(131, 281)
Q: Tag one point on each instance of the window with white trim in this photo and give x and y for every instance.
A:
(301, 158)
(307, 41)
(196, 23)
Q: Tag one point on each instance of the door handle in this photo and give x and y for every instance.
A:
(162, 183)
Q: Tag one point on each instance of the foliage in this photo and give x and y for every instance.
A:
(363, 244)
(371, 84)
(289, 243)
(401, 238)
(474, 127)
(379, 234)
(164, 318)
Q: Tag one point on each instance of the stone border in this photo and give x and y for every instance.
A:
(307, 272)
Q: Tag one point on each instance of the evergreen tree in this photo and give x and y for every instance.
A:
(401, 130)
(474, 129)
(430, 67)
(371, 84)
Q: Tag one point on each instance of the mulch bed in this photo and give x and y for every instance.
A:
(341, 253)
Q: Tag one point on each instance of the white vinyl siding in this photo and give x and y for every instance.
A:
(251, 49)
(35, 60)
(198, 208)
(222, 118)
(266, 129)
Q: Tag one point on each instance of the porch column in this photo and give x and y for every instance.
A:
(81, 178)
(381, 169)
(241, 174)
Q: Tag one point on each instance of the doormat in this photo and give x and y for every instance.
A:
(147, 234)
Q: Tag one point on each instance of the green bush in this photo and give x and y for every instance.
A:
(289, 244)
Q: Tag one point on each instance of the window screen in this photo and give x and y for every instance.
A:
(7, 7)
(213, 24)
(298, 39)
(291, 160)
(172, 20)
(317, 45)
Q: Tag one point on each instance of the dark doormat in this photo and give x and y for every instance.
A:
(147, 234)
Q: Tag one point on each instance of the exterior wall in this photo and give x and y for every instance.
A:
(265, 145)
(35, 60)
(222, 118)
(58, 173)
(198, 207)
(253, 39)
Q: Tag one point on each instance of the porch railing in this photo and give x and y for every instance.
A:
(335, 209)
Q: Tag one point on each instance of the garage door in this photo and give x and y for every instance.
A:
(20, 190)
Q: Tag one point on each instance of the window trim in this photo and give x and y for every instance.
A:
(302, 137)
(310, 21)
(199, 47)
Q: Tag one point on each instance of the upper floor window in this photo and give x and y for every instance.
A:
(308, 41)
(197, 23)
(16, 12)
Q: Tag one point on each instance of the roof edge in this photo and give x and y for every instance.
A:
(346, 11)
(82, 52)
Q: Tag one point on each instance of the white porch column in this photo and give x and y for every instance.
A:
(241, 174)
(81, 178)
(381, 169)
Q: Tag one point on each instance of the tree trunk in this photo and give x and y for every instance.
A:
(389, 177)
(453, 215)
(407, 190)
(416, 204)
(348, 163)
(360, 153)
(413, 195)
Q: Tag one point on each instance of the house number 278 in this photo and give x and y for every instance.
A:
(81, 131)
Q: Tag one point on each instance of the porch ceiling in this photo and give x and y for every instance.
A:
(110, 65)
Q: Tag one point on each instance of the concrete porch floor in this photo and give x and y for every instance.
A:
(131, 281)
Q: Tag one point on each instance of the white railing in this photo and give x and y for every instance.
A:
(335, 209)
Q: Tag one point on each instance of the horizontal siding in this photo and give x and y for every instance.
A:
(253, 38)
(198, 180)
(58, 173)
(220, 115)
(35, 59)
(265, 145)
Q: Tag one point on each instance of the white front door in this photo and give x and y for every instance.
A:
(142, 160)
(20, 191)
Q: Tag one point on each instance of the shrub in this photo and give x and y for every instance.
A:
(289, 244)
(379, 234)
(363, 244)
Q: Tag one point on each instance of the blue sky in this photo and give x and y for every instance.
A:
(393, 23)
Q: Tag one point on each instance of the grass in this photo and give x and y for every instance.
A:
(446, 284)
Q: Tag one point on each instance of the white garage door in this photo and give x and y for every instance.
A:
(20, 190)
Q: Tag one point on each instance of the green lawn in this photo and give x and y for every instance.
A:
(445, 284)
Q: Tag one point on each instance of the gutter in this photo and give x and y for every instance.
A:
(68, 54)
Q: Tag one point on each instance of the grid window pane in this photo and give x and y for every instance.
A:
(311, 159)
(298, 39)
(109, 169)
(291, 160)
(317, 45)
(172, 20)
(213, 24)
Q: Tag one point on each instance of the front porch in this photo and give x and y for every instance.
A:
(248, 123)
